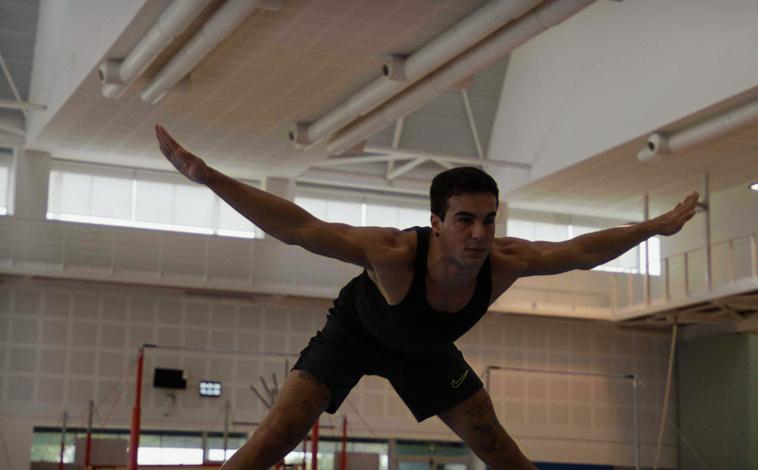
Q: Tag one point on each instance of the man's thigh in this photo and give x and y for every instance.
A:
(474, 420)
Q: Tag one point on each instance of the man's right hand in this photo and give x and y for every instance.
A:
(188, 164)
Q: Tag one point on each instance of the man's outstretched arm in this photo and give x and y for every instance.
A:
(277, 216)
(593, 249)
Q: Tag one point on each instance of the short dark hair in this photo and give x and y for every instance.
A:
(466, 179)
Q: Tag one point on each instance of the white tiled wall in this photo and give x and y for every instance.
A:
(63, 343)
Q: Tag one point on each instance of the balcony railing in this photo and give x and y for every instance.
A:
(151, 257)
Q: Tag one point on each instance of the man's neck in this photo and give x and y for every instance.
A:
(444, 270)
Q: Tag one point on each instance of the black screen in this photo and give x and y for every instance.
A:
(169, 378)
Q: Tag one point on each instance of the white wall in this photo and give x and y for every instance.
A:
(63, 343)
(617, 71)
(734, 213)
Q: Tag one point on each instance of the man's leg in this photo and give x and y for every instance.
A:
(301, 401)
(474, 420)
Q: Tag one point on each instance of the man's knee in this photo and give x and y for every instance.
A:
(490, 437)
(278, 433)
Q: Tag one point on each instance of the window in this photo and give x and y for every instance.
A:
(140, 198)
(329, 451)
(539, 227)
(362, 210)
(5, 165)
(156, 447)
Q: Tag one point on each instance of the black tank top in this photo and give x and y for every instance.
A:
(412, 325)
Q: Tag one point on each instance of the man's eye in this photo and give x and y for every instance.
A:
(489, 221)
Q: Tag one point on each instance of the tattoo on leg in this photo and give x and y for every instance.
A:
(485, 428)
(477, 411)
(305, 405)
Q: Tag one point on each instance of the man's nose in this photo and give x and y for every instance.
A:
(478, 230)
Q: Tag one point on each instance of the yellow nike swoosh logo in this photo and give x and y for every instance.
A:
(457, 383)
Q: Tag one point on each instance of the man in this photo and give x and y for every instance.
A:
(421, 289)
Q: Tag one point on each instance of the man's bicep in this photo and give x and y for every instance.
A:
(537, 258)
(344, 242)
(555, 258)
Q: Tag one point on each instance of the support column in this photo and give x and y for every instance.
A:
(501, 220)
(29, 180)
(282, 187)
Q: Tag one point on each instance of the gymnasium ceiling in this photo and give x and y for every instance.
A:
(302, 60)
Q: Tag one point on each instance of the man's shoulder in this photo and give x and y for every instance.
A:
(397, 250)
(511, 254)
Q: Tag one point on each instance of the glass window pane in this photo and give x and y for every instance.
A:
(521, 229)
(230, 219)
(412, 218)
(154, 202)
(169, 456)
(75, 193)
(112, 197)
(550, 232)
(3, 188)
(193, 206)
(343, 212)
(316, 207)
(381, 216)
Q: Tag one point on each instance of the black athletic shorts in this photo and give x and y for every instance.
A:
(428, 383)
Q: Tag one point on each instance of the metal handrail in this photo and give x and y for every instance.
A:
(70, 248)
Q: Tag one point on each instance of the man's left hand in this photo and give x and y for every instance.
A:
(673, 221)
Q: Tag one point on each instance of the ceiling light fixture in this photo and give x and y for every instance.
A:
(754, 186)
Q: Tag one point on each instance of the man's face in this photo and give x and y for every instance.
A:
(467, 232)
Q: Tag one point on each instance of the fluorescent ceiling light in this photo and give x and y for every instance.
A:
(754, 186)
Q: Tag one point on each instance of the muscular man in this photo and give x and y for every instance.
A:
(420, 290)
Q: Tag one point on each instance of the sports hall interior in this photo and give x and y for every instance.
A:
(589, 114)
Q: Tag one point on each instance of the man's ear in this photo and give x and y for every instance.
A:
(436, 223)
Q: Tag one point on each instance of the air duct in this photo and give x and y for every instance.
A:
(223, 22)
(118, 75)
(451, 43)
(659, 145)
(484, 54)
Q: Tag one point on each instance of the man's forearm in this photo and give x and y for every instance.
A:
(274, 215)
(601, 247)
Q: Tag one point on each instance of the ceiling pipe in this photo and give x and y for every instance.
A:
(659, 144)
(484, 54)
(223, 22)
(22, 105)
(400, 72)
(118, 75)
(12, 129)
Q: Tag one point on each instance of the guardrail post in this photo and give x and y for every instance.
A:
(668, 278)
(707, 204)
(752, 254)
(160, 255)
(646, 245)
(686, 275)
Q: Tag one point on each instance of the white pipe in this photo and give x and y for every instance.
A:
(223, 22)
(405, 168)
(10, 128)
(425, 60)
(659, 145)
(11, 83)
(117, 75)
(484, 54)
(22, 105)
